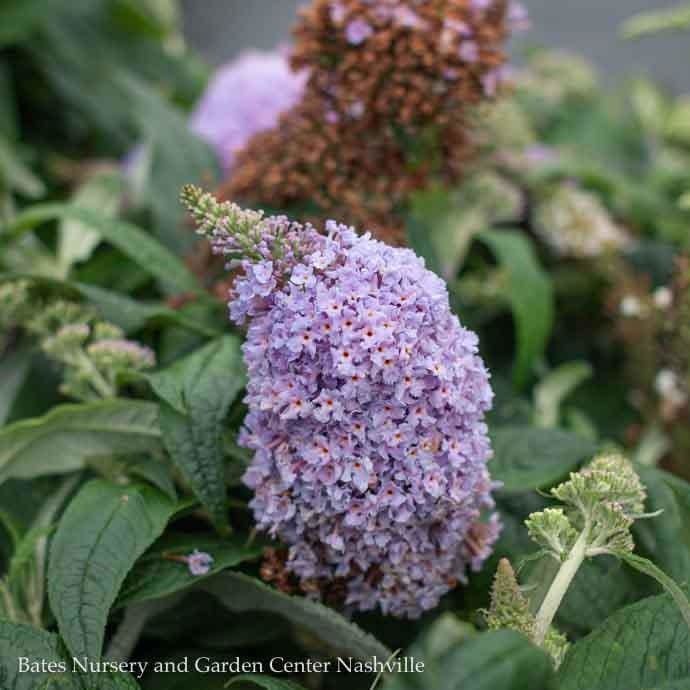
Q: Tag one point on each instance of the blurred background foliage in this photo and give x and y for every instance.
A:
(85, 80)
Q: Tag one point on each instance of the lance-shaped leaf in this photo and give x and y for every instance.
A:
(530, 294)
(526, 457)
(115, 307)
(142, 249)
(156, 575)
(104, 530)
(14, 368)
(196, 393)
(63, 440)
(239, 592)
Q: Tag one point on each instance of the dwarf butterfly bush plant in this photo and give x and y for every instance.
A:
(331, 474)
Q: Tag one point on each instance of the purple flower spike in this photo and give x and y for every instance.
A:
(366, 402)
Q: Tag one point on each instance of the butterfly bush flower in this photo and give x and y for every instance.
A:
(244, 97)
(199, 563)
(366, 409)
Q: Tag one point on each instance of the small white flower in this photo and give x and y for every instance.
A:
(663, 297)
(630, 306)
(668, 386)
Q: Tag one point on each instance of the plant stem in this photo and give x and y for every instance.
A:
(102, 387)
(559, 587)
(8, 603)
(134, 621)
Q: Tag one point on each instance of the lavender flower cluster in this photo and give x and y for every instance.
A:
(366, 402)
(244, 97)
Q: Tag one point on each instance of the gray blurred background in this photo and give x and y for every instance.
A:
(220, 29)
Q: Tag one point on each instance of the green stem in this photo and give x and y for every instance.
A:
(8, 603)
(559, 587)
(134, 621)
(102, 387)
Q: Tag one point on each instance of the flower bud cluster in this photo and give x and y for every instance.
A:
(600, 504)
(93, 354)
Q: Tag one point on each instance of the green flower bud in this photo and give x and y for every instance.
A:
(68, 339)
(509, 606)
(120, 354)
(107, 331)
(552, 530)
(15, 304)
(57, 314)
(554, 77)
(609, 478)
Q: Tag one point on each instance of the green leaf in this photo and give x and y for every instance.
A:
(19, 19)
(533, 458)
(142, 249)
(265, 682)
(644, 565)
(178, 157)
(502, 660)
(155, 576)
(683, 684)
(196, 393)
(155, 471)
(530, 293)
(99, 538)
(132, 315)
(445, 633)
(14, 368)
(646, 23)
(25, 552)
(77, 241)
(554, 388)
(63, 440)
(665, 539)
(642, 646)
(241, 593)
(419, 239)
(17, 640)
(442, 223)
(13, 173)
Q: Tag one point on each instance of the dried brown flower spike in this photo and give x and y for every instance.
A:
(384, 110)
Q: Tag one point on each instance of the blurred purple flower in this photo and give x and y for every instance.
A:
(244, 97)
